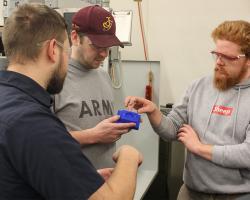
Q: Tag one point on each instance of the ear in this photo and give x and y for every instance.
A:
(74, 38)
(52, 51)
(248, 62)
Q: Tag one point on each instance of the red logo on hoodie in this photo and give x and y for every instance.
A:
(222, 110)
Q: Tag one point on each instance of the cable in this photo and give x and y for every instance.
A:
(142, 31)
(115, 71)
(149, 86)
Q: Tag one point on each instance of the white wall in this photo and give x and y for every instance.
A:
(178, 35)
(72, 3)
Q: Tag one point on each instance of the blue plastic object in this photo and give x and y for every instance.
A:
(128, 116)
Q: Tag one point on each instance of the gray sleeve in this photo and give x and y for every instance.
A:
(166, 130)
(233, 156)
(171, 123)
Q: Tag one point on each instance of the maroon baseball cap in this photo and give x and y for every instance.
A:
(98, 24)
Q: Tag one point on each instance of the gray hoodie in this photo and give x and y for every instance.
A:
(222, 120)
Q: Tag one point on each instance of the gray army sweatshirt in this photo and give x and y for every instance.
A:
(87, 99)
(222, 120)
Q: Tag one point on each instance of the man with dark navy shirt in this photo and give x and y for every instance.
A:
(39, 159)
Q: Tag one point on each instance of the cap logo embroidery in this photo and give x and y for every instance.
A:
(107, 24)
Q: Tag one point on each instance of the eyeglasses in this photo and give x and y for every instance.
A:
(67, 50)
(225, 58)
(99, 49)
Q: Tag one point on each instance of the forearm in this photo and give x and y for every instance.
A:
(85, 137)
(166, 129)
(122, 183)
(155, 117)
(167, 126)
(232, 156)
(123, 179)
(204, 151)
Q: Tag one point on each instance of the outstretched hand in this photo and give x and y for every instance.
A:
(144, 106)
(140, 104)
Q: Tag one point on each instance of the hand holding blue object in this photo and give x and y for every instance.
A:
(128, 116)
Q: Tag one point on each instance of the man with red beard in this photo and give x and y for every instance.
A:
(85, 104)
(212, 121)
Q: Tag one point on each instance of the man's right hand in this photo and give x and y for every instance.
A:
(108, 131)
(144, 106)
(140, 104)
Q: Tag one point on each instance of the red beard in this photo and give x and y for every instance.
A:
(223, 81)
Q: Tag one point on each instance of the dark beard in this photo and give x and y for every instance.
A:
(55, 85)
(56, 82)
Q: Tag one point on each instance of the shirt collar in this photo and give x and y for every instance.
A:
(74, 63)
(27, 85)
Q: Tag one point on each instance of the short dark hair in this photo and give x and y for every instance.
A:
(81, 35)
(29, 25)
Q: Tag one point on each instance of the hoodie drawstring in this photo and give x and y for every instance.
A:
(236, 114)
(210, 114)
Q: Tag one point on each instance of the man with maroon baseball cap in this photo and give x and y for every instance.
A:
(85, 104)
(98, 24)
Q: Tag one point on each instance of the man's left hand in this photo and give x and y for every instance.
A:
(189, 138)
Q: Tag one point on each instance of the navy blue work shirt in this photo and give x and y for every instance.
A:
(38, 157)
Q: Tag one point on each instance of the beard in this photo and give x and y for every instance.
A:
(92, 62)
(223, 80)
(57, 79)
